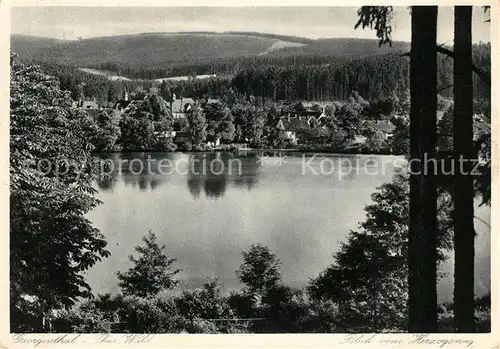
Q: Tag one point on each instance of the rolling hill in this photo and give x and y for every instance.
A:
(343, 47)
(153, 49)
(26, 45)
(145, 49)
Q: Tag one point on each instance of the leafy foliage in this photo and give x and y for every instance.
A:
(375, 140)
(107, 132)
(205, 303)
(368, 293)
(85, 317)
(249, 120)
(197, 126)
(155, 314)
(482, 147)
(260, 270)
(52, 243)
(368, 279)
(378, 18)
(401, 140)
(137, 132)
(219, 122)
(151, 273)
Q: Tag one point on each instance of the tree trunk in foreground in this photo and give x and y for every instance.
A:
(422, 254)
(463, 190)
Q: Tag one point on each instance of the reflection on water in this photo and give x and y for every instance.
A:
(205, 172)
(211, 173)
(200, 177)
(302, 208)
(139, 170)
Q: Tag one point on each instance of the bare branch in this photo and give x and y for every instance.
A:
(444, 88)
(482, 75)
(482, 220)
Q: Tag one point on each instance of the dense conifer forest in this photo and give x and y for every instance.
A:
(313, 78)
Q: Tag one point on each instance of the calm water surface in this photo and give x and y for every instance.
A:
(206, 218)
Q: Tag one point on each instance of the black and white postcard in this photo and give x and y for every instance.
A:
(241, 169)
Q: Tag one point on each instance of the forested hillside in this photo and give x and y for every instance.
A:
(26, 45)
(319, 70)
(158, 55)
(345, 48)
(375, 78)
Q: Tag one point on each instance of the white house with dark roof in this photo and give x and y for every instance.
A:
(292, 126)
(180, 106)
(89, 105)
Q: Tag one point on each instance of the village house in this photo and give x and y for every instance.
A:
(178, 134)
(292, 127)
(312, 117)
(294, 124)
(385, 127)
(89, 104)
(318, 116)
(180, 107)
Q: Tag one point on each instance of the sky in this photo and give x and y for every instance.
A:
(312, 22)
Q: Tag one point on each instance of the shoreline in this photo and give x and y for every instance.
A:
(318, 151)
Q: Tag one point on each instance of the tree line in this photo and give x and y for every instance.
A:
(285, 78)
(279, 78)
(238, 118)
(148, 125)
(222, 67)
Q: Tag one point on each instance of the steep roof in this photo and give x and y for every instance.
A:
(89, 104)
(293, 124)
(179, 104)
(384, 126)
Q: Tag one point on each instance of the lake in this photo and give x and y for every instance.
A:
(209, 207)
